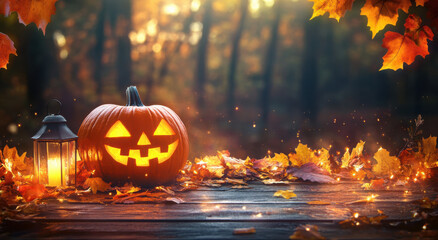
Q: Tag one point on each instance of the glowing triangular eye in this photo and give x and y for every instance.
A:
(143, 141)
(118, 130)
(163, 129)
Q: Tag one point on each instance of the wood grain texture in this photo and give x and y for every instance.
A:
(213, 213)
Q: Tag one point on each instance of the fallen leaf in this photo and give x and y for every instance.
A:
(97, 184)
(285, 194)
(241, 231)
(383, 12)
(307, 232)
(405, 48)
(386, 164)
(335, 8)
(28, 11)
(311, 172)
(428, 148)
(6, 48)
(32, 191)
(176, 200)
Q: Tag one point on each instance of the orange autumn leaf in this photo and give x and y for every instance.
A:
(383, 12)
(6, 48)
(32, 191)
(404, 48)
(36, 11)
(336, 8)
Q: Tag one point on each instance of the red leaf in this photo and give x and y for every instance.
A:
(404, 48)
(6, 48)
(31, 192)
(36, 11)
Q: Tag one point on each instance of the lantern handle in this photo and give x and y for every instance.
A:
(55, 101)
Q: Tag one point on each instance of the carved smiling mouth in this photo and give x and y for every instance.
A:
(153, 153)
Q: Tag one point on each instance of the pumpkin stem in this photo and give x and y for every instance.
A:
(132, 97)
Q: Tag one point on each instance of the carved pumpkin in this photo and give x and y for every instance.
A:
(146, 145)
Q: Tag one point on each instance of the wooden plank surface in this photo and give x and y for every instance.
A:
(213, 213)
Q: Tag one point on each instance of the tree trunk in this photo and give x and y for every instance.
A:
(268, 71)
(234, 60)
(98, 48)
(124, 61)
(309, 80)
(201, 65)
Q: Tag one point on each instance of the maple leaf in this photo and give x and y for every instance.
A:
(404, 48)
(285, 194)
(32, 191)
(386, 164)
(96, 184)
(428, 148)
(7, 48)
(28, 11)
(383, 12)
(335, 8)
(311, 172)
(356, 152)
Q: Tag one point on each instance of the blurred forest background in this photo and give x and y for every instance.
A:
(250, 76)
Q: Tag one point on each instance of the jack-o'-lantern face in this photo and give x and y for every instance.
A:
(141, 149)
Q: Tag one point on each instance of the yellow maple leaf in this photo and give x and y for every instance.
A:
(386, 164)
(356, 152)
(336, 8)
(285, 194)
(303, 155)
(96, 184)
(280, 158)
(428, 148)
(383, 12)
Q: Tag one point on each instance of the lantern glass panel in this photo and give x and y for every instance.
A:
(54, 164)
(42, 170)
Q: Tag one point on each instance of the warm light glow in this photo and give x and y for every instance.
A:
(171, 9)
(143, 141)
(118, 130)
(59, 39)
(139, 160)
(164, 129)
(195, 5)
(54, 172)
(356, 215)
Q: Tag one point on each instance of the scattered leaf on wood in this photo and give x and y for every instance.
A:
(32, 191)
(307, 232)
(386, 164)
(242, 231)
(96, 184)
(311, 172)
(285, 194)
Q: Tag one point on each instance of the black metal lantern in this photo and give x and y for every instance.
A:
(55, 148)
